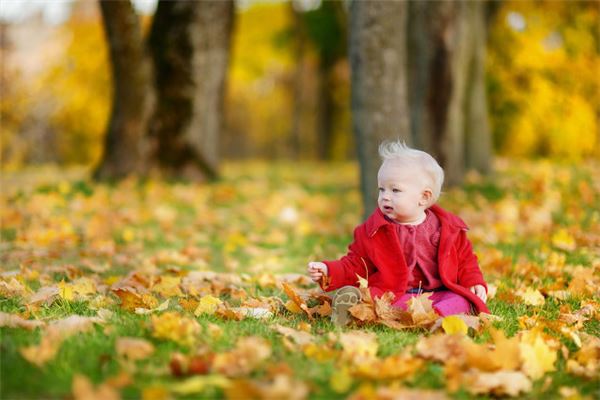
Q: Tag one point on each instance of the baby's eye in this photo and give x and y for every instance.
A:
(380, 189)
(396, 190)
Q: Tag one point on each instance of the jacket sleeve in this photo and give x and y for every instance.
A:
(469, 273)
(344, 271)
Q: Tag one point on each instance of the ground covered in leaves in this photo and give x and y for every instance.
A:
(157, 290)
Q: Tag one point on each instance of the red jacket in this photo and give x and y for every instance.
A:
(375, 254)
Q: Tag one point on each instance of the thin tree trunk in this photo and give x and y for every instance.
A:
(439, 53)
(132, 94)
(190, 42)
(379, 104)
(478, 133)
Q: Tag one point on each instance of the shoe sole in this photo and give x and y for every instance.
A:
(343, 300)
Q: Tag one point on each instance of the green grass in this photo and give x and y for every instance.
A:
(235, 226)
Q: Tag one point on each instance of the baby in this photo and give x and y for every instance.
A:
(409, 245)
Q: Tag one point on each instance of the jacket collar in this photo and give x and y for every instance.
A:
(377, 220)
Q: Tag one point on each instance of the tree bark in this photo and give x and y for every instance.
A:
(378, 100)
(190, 45)
(132, 93)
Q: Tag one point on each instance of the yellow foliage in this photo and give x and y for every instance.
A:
(542, 64)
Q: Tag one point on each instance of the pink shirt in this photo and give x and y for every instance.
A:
(420, 244)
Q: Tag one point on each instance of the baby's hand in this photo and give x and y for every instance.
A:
(317, 270)
(479, 291)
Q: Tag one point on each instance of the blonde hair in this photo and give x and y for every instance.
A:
(398, 150)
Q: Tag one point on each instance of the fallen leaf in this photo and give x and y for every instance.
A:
(537, 357)
(341, 380)
(291, 293)
(83, 389)
(454, 325)
(15, 321)
(248, 354)
(133, 348)
(421, 310)
(532, 297)
(208, 305)
(500, 383)
(199, 383)
(299, 337)
(176, 327)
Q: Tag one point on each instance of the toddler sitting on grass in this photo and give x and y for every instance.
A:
(409, 245)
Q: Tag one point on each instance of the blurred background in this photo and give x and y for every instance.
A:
(287, 80)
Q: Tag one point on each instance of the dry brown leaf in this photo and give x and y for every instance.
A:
(291, 293)
(249, 353)
(511, 383)
(45, 295)
(443, 348)
(16, 321)
(421, 310)
(133, 348)
(363, 312)
(301, 338)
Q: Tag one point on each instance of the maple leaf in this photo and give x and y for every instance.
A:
(500, 383)
(364, 312)
(131, 299)
(168, 286)
(208, 305)
(443, 348)
(537, 357)
(532, 297)
(248, 354)
(421, 310)
(291, 293)
(174, 326)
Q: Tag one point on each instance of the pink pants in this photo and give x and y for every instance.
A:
(445, 303)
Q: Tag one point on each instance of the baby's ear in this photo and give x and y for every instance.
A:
(426, 197)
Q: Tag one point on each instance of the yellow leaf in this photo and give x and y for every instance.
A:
(341, 380)
(65, 291)
(198, 384)
(564, 240)
(208, 305)
(533, 297)
(537, 357)
(454, 325)
(173, 326)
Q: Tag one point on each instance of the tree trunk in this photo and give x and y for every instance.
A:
(447, 85)
(478, 134)
(438, 54)
(132, 93)
(378, 100)
(190, 45)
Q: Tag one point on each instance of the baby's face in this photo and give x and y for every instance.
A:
(403, 192)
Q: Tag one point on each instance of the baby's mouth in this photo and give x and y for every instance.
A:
(388, 208)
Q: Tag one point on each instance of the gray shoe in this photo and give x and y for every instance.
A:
(345, 298)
